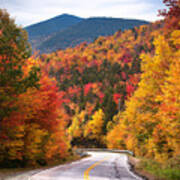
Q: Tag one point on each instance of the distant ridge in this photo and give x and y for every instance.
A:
(67, 31)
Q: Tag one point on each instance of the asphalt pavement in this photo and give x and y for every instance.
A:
(98, 166)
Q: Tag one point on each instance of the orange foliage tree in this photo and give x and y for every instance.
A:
(32, 118)
(37, 130)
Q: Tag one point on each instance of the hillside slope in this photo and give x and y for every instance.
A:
(68, 31)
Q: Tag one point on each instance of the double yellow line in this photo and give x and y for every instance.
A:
(86, 172)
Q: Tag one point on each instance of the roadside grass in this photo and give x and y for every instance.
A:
(161, 170)
(169, 170)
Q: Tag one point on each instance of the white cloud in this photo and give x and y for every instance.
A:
(31, 11)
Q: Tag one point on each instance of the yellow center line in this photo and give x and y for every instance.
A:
(86, 172)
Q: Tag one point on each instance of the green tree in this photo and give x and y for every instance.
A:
(109, 107)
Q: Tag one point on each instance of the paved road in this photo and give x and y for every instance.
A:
(99, 166)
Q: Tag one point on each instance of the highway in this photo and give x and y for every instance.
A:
(98, 166)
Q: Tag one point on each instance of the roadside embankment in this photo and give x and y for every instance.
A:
(26, 173)
(152, 170)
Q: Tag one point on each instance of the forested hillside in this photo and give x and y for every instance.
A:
(121, 91)
(99, 77)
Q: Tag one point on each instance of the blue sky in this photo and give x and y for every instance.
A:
(26, 12)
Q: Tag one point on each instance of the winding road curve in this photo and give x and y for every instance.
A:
(99, 166)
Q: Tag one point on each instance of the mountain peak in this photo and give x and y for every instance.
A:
(66, 14)
(50, 26)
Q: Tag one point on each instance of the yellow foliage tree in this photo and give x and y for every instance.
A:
(93, 128)
(75, 130)
(33, 142)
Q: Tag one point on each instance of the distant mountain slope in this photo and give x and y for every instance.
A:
(43, 30)
(87, 30)
(56, 33)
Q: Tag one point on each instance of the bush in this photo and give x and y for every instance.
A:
(169, 170)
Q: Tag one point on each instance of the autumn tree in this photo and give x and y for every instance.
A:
(94, 128)
(172, 15)
(14, 50)
(36, 132)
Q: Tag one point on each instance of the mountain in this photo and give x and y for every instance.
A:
(68, 31)
(43, 30)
